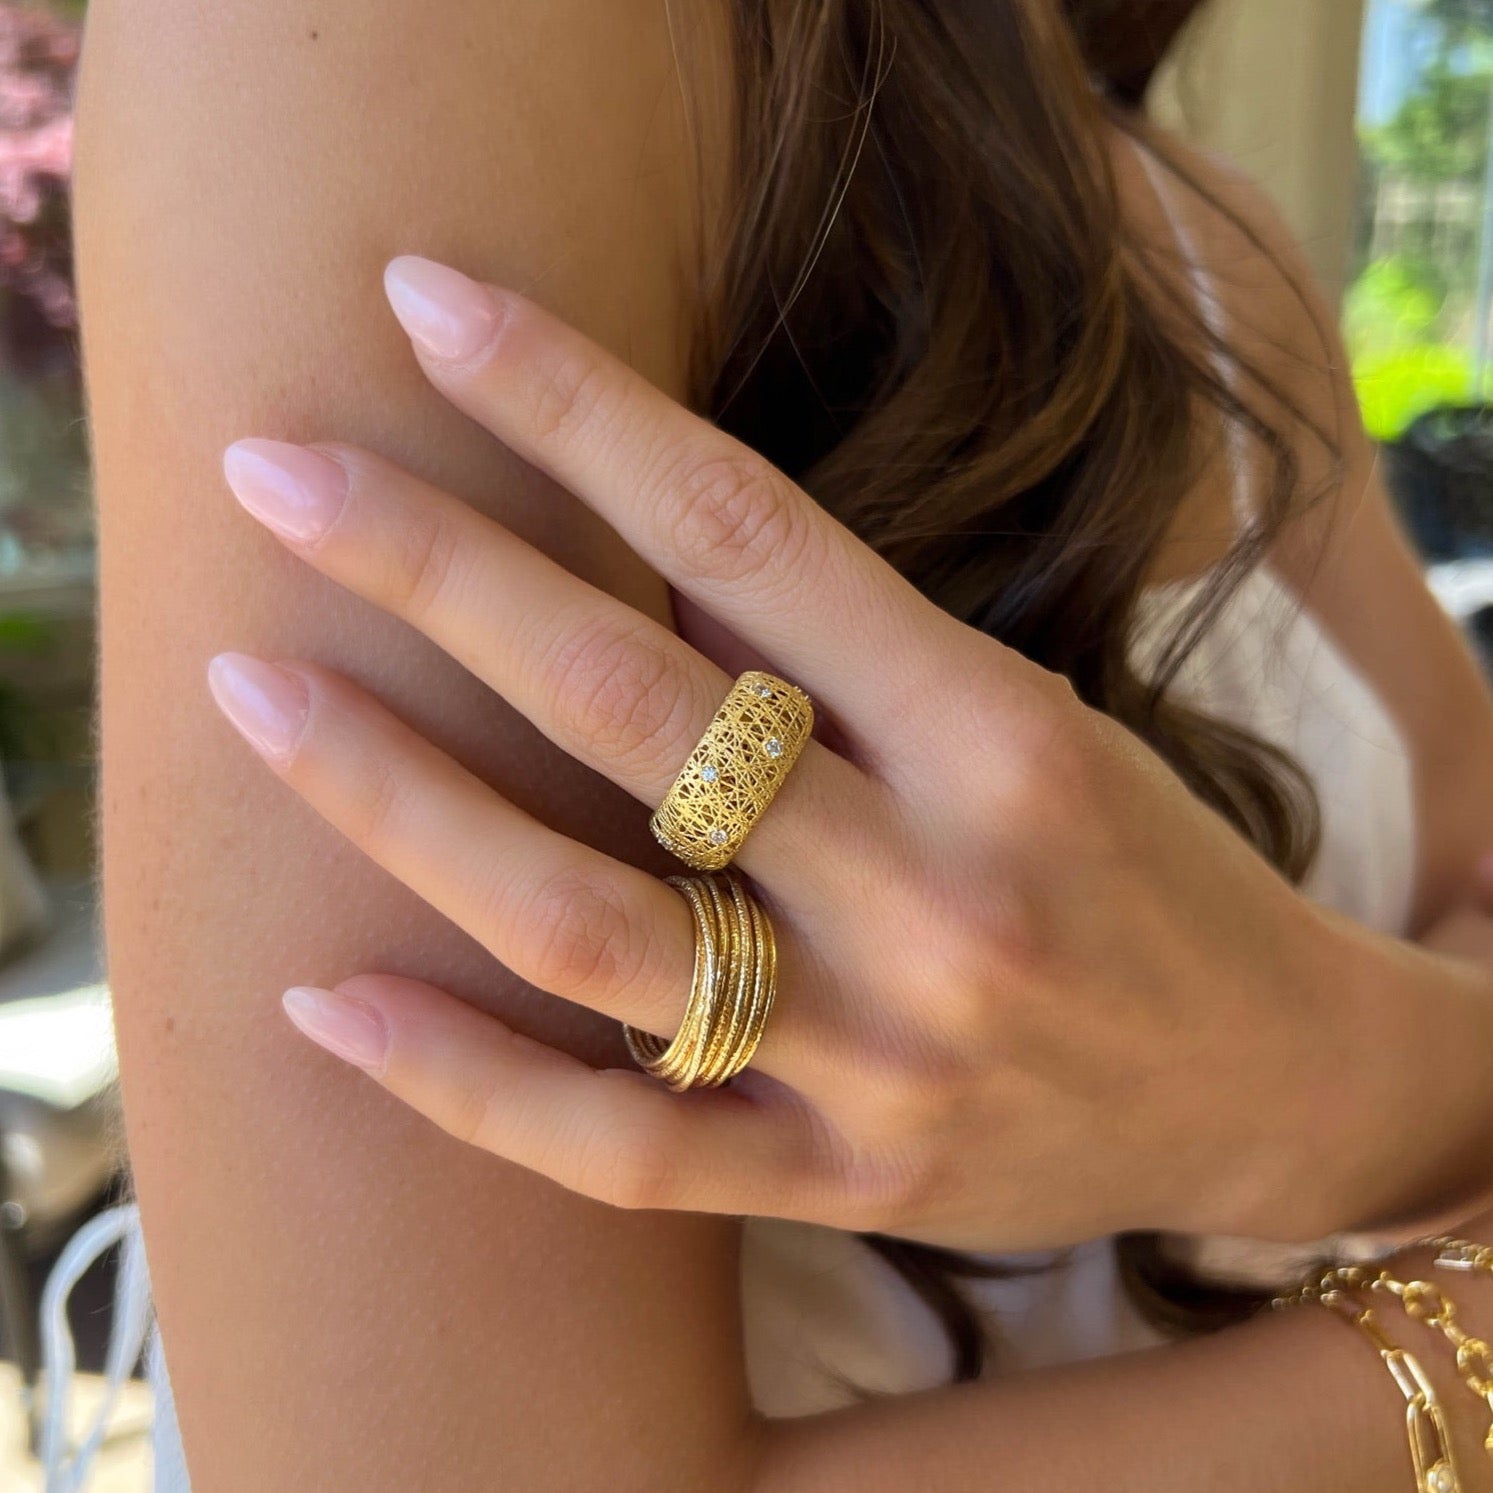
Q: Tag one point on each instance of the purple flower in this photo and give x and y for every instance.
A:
(38, 57)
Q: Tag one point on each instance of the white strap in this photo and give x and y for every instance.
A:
(1216, 319)
(165, 1439)
(66, 1468)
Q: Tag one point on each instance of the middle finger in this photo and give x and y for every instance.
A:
(612, 687)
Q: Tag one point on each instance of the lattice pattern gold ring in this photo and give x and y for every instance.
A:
(735, 771)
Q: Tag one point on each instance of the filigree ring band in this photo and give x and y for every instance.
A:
(735, 771)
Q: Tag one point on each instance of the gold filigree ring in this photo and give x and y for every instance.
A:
(734, 772)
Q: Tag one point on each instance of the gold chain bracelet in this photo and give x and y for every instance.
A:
(1425, 1422)
(1461, 1254)
(1424, 1301)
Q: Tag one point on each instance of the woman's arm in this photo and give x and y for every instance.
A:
(348, 1300)
(1295, 1402)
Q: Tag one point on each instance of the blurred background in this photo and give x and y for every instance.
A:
(1370, 122)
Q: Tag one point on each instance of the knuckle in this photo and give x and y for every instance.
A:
(1071, 764)
(377, 805)
(470, 1115)
(425, 567)
(739, 519)
(995, 946)
(580, 935)
(621, 691)
(573, 394)
(1019, 947)
(1058, 689)
(633, 1166)
(916, 1075)
(964, 923)
(887, 1188)
(916, 1101)
(1051, 770)
(911, 1189)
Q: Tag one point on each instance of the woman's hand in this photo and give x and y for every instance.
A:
(1031, 991)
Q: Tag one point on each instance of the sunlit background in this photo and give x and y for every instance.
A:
(1370, 123)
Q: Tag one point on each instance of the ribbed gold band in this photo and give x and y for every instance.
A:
(731, 992)
(735, 771)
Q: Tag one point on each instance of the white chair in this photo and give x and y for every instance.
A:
(59, 1119)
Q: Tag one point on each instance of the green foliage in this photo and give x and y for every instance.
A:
(1396, 301)
(1462, 20)
(25, 632)
(1391, 321)
(44, 502)
(1400, 316)
(1398, 385)
(1441, 131)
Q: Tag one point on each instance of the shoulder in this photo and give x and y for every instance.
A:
(531, 124)
(1280, 319)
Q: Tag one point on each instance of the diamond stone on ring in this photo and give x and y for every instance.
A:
(735, 771)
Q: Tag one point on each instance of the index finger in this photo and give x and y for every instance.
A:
(718, 521)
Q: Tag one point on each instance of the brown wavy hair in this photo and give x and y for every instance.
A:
(925, 304)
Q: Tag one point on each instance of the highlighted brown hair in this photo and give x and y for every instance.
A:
(926, 305)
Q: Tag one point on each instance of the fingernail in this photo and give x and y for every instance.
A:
(448, 315)
(348, 1028)
(268, 705)
(293, 490)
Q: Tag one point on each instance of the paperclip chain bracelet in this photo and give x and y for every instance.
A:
(1461, 1254)
(1425, 1422)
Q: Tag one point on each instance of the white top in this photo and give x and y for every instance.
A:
(826, 1318)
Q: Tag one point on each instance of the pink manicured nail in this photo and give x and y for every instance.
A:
(349, 1029)
(293, 490)
(268, 705)
(450, 316)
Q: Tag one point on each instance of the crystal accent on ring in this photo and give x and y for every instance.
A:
(736, 767)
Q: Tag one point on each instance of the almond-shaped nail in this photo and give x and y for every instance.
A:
(291, 489)
(266, 704)
(346, 1027)
(447, 314)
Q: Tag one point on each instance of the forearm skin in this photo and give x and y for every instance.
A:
(1421, 1152)
(1296, 1402)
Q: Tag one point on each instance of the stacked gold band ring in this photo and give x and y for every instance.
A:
(735, 771)
(731, 992)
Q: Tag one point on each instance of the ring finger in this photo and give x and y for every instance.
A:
(561, 915)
